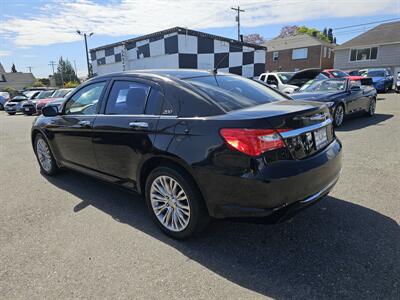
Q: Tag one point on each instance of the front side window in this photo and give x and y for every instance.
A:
(272, 80)
(85, 101)
(363, 54)
(301, 53)
(234, 92)
(127, 98)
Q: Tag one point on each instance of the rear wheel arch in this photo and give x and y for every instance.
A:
(152, 163)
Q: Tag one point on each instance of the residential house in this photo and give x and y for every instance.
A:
(378, 47)
(300, 51)
(16, 80)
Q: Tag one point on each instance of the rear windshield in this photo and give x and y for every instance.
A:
(44, 94)
(376, 73)
(234, 92)
(61, 93)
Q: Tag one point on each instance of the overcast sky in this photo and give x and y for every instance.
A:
(34, 32)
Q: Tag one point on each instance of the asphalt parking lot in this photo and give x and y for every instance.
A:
(72, 236)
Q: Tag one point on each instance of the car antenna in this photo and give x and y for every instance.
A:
(215, 70)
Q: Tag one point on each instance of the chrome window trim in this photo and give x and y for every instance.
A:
(296, 132)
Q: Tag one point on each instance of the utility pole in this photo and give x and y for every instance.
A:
(238, 10)
(30, 69)
(85, 35)
(76, 72)
(52, 64)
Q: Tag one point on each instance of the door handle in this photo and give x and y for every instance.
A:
(139, 125)
(84, 123)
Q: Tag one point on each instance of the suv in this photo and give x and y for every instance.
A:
(279, 81)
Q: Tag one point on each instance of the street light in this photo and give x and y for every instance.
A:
(85, 35)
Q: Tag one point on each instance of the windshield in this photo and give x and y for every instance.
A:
(44, 94)
(285, 77)
(18, 99)
(338, 74)
(327, 85)
(61, 93)
(234, 92)
(29, 93)
(376, 73)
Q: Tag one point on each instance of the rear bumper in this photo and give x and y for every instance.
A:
(282, 187)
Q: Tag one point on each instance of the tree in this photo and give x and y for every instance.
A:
(330, 35)
(334, 39)
(44, 81)
(13, 69)
(313, 32)
(65, 72)
(325, 32)
(38, 83)
(288, 31)
(254, 38)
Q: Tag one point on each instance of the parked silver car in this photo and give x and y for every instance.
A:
(4, 98)
(15, 105)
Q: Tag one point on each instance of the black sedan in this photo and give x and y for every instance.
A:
(196, 144)
(341, 95)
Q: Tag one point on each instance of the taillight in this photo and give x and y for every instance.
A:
(253, 142)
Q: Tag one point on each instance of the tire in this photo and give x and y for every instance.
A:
(371, 108)
(338, 115)
(386, 89)
(180, 219)
(47, 163)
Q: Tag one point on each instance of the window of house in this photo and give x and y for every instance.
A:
(275, 56)
(301, 53)
(325, 51)
(329, 52)
(363, 54)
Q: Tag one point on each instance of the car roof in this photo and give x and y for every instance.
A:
(176, 73)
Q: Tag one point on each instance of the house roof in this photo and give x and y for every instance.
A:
(387, 33)
(179, 30)
(293, 42)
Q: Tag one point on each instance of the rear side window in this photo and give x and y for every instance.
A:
(154, 103)
(234, 92)
(127, 98)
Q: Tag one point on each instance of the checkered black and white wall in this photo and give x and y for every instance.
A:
(177, 50)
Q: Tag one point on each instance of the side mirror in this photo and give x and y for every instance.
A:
(355, 88)
(50, 111)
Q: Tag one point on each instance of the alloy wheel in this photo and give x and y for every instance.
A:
(372, 107)
(339, 115)
(44, 156)
(170, 203)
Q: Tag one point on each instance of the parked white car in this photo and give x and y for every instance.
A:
(279, 81)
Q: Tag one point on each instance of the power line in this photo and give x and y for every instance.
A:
(357, 25)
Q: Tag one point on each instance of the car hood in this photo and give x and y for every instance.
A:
(376, 79)
(315, 96)
(301, 77)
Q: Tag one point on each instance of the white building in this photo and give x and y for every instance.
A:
(180, 48)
